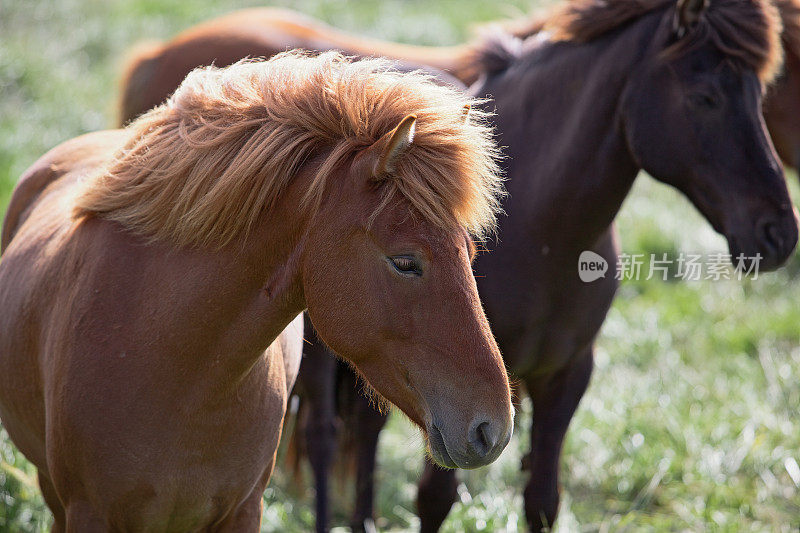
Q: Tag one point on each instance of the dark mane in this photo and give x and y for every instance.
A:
(494, 52)
(748, 31)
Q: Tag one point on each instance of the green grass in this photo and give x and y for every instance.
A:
(691, 421)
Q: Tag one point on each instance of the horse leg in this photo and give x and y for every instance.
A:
(248, 516)
(438, 490)
(53, 502)
(317, 381)
(555, 398)
(368, 425)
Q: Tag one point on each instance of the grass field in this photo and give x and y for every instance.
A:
(691, 421)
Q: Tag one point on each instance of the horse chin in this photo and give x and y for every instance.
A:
(438, 449)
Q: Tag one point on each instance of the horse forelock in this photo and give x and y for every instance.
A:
(748, 31)
(201, 168)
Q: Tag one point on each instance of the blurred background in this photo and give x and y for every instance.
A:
(691, 421)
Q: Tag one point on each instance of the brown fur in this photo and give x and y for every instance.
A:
(201, 168)
(153, 71)
(140, 68)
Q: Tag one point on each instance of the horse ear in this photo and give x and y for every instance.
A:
(687, 15)
(465, 113)
(392, 145)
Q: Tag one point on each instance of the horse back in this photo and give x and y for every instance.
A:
(78, 300)
(154, 71)
(65, 160)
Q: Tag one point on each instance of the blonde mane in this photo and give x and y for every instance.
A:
(747, 31)
(201, 168)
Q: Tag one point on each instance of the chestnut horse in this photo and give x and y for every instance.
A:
(148, 272)
(601, 91)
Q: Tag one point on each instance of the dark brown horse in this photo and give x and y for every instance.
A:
(599, 92)
(147, 274)
(608, 89)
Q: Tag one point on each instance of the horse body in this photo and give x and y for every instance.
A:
(155, 70)
(547, 310)
(95, 312)
(144, 367)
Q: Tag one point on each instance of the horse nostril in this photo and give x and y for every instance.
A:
(774, 236)
(771, 235)
(482, 439)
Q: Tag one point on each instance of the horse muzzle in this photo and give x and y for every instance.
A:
(480, 445)
(767, 245)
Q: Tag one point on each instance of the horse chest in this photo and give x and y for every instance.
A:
(188, 461)
(541, 312)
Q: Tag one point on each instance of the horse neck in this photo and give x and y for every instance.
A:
(257, 281)
(275, 245)
(558, 107)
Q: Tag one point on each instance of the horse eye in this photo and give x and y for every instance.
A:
(703, 100)
(406, 265)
